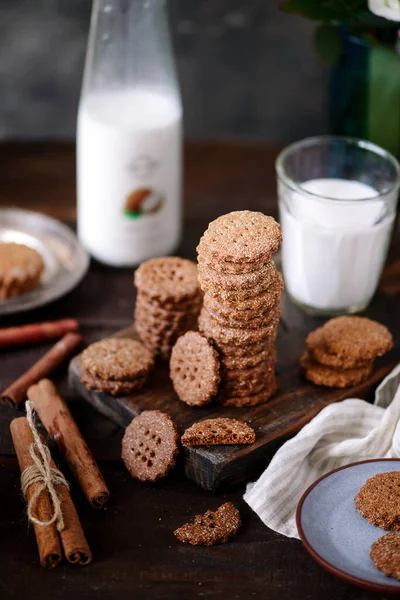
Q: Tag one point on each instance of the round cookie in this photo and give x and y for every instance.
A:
(252, 399)
(242, 301)
(232, 362)
(235, 296)
(357, 337)
(163, 309)
(385, 554)
(334, 378)
(229, 335)
(169, 278)
(242, 281)
(241, 237)
(245, 387)
(194, 369)
(20, 269)
(243, 374)
(228, 267)
(316, 346)
(234, 351)
(150, 446)
(256, 322)
(114, 388)
(117, 359)
(378, 500)
(259, 306)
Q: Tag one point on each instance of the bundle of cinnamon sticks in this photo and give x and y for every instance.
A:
(59, 423)
(54, 537)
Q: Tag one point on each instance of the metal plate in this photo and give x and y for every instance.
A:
(66, 262)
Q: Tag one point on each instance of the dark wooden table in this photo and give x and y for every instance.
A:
(136, 555)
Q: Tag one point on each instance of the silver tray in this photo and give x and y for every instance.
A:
(66, 262)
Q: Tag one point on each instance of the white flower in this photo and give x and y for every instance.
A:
(389, 9)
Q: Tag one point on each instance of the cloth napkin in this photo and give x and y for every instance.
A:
(342, 433)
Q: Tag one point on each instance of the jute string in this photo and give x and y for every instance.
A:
(41, 472)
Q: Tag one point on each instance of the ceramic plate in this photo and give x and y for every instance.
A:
(66, 262)
(334, 532)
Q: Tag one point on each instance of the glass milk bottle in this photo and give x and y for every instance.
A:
(129, 138)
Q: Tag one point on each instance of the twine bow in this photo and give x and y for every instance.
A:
(41, 472)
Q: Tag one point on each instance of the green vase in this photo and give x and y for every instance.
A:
(364, 99)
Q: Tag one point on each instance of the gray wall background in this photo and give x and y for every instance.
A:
(246, 69)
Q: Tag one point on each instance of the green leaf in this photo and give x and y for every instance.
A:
(328, 43)
(327, 10)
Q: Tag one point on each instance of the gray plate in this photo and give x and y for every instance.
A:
(334, 532)
(66, 262)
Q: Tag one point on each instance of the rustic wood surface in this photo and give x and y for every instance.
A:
(216, 467)
(136, 555)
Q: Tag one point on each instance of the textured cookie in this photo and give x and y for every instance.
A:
(212, 527)
(240, 281)
(150, 445)
(236, 296)
(378, 500)
(161, 344)
(246, 310)
(194, 369)
(250, 373)
(211, 432)
(20, 269)
(248, 301)
(241, 237)
(330, 377)
(168, 278)
(234, 336)
(385, 554)
(160, 326)
(357, 338)
(163, 305)
(228, 267)
(233, 362)
(256, 322)
(234, 351)
(112, 387)
(250, 400)
(159, 313)
(317, 348)
(117, 359)
(246, 387)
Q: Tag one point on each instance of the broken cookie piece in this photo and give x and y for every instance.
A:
(211, 432)
(212, 527)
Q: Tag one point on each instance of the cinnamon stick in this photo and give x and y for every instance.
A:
(36, 332)
(73, 540)
(61, 427)
(46, 535)
(15, 394)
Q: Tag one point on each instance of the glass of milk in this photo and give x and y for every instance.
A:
(129, 135)
(337, 204)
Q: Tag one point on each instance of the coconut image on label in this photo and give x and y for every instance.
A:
(143, 201)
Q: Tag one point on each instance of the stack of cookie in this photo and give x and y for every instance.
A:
(241, 304)
(115, 366)
(168, 302)
(341, 353)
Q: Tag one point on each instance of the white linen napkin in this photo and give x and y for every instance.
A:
(342, 433)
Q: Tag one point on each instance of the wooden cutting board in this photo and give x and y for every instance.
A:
(295, 404)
